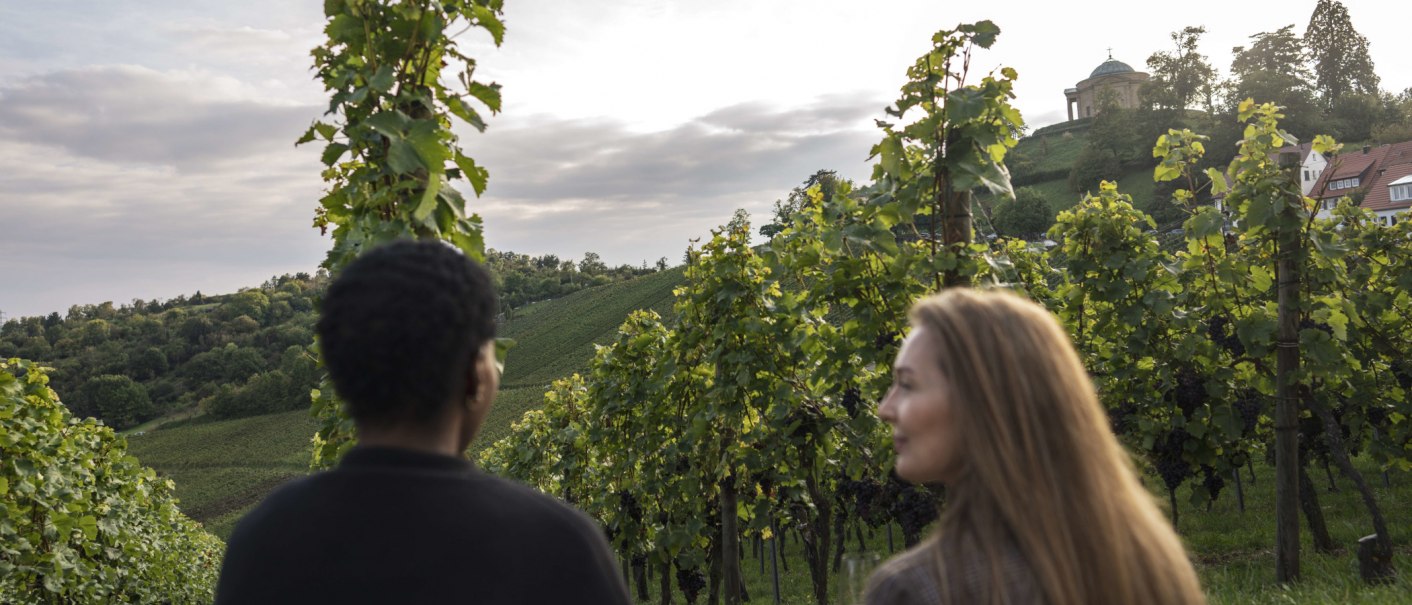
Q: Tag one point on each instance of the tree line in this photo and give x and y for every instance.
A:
(231, 355)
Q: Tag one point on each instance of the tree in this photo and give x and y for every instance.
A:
(1027, 216)
(1342, 64)
(592, 264)
(1117, 129)
(1277, 52)
(827, 180)
(116, 399)
(1275, 70)
(1355, 116)
(1094, 165)
(1183, 76)
(150, 363)
(1398, 127)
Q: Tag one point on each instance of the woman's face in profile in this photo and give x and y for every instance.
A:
(921, 409)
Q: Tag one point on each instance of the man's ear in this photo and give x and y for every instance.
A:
(481, 376)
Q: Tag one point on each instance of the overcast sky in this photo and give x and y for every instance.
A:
(146, 148)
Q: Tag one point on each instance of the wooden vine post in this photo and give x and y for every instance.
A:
(1287, 465)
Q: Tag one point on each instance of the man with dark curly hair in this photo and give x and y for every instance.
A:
(407, 332)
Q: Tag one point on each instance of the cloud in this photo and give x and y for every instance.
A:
(567, 186)
(189, 120)
(124, 182)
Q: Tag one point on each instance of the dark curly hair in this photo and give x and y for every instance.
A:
(401, 325)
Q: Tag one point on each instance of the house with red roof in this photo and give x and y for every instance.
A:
(1378, 178)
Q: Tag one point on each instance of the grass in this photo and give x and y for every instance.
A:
(222, 469)
(555, 338)
(510, 405)
(1051, 151)
(1233, 550)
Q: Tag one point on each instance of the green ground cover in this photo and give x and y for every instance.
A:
(555, 338)
(1234, 551)
(222, 469)
(1051, 152)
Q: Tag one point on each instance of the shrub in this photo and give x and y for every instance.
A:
(81, 521)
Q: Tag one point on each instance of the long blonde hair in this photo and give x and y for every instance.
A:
(1041, 468)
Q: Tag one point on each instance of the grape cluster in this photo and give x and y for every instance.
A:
(630, 506)
(691, 581)
(1376, 416)
(852, 401)
(913, 509)
(1311, 438)
(1402, 370)
(1190, 391)
(1309, 324)
(1212, 481)
(1221, 332)
(762, 479)
(886, 339)
(1169, 459)
(1249, 405)
(866, 497)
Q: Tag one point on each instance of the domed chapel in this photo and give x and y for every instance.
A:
(1112, 77)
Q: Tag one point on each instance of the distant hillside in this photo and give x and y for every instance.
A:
(222, 469)
(1043, 161)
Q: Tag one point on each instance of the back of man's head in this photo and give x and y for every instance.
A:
(401, 326)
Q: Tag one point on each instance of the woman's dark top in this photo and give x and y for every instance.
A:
(397, 526)
(914, 578)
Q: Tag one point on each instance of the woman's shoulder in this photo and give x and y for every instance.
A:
(910, 577)
(914, 577)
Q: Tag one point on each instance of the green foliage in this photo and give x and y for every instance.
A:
(116, 399)
(1028, 216)
(178, 351)
(784, 211)
(80, 520)
(957, 144)
(251, 303)
(1342, 64)
(521, 280)
(1181, 77)
(383, 63)
(1092, 167)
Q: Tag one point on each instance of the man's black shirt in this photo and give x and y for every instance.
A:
(397, 526)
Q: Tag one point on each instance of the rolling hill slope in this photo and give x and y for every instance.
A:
(222, 469)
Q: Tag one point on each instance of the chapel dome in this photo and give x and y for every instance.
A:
(1109, 67)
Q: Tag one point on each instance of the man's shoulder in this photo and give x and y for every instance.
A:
(534, 504)
(502, 500)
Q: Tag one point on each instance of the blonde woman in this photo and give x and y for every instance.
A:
(1043, 505)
